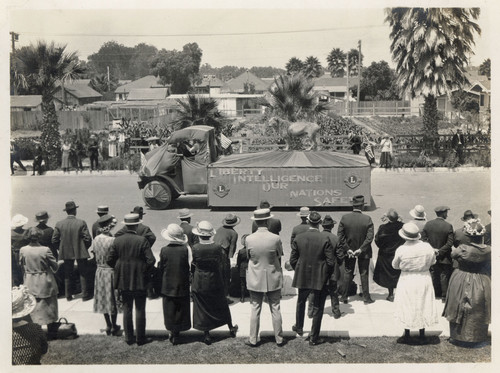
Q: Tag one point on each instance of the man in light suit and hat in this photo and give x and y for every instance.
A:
(356, 234)
(264, 276)
(72, 237)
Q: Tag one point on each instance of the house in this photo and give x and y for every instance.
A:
(147, 94)
(26, 103)
(210, 84)
(246, 83)
(77, 93)
(336, 87)
(148, 81)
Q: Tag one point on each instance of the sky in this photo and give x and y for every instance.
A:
(227, 34)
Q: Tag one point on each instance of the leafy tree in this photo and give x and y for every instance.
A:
(336, 63)
(485, 68)
(41, 67)
(266, 71)
(180, 69)
(140, 60)
(294, 66)
(353, 61)
(431, 47)
(312, 67)
(114, 55)
(377, 82)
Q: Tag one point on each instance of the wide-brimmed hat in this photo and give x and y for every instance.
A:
(23, 303)
(468, 215)
(327, 221)
(138, 210)
(105, 220)
(184, 214)
(174, 233)
(42, 216)
(304, 212)
(441, 209)
(102, 209)
(131, 219)
(314, 217)
(204, 228)
(262, 214)
(358, 200)
(70, 205)
(18, 220)
(410, 232)
(264, 204)
(231, 220)
(474, 228)
(418, 212)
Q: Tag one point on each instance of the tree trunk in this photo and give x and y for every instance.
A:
(430, 120)
(50, 138)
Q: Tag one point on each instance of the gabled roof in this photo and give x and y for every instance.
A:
(237, 85)
(80, 88)
(147, 94)
(148, 81)
(211, 81)
(30, 101)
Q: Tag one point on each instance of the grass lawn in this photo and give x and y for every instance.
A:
(97, 349)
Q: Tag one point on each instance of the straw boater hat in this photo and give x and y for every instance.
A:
(42, 216)
(410, 232)
(131, 219)
(18, 221)
(314, 217)
(102, 209)
(418, 213)
(304, 212)
(70, 205)
(105, 220)
(231, 220)
(23, 303)
(184, 214)
(468, 215)
(174, 234)
(204, 228)
(262, 214)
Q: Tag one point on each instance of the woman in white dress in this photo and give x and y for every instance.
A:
(112, 142)
(414, 300)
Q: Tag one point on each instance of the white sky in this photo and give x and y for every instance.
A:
(229, 34)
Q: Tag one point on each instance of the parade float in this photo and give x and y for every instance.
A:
(285, 178)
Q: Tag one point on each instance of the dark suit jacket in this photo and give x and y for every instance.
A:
(298, 229)
(456, 139)
(337, 252)
(439, 233)
(46, 239)
(188, 231)
(227, 238)
(94, 229)
(142, 230)
(131, 257)
(312, 259)
(356, 232)
(459, 237)
(273, 226)
(72, 237)
(174, 269)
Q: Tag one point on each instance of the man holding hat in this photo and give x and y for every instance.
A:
(132, 259)
(356, 234)
(313, 260)
(72, 237)
(439, 233)
(273, 224)
(185, 218)
(264, 275)
(101, 211)
(227, 238)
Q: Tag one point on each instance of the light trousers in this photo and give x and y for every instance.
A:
(256, 299)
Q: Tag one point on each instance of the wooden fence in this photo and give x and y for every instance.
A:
(392, 108)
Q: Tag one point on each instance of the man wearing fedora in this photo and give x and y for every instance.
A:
(313, 260)
(227, 238)
(439, 233)
(273, 224)
(72, 237)
(356, 234)
(332, 286)
(132, 259)
(264, 276)
(185, 217)
(101, 211)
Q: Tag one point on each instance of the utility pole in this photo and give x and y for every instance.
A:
(347, 93)
(359, 69)
(14, 38)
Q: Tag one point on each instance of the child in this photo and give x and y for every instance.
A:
(242, 264)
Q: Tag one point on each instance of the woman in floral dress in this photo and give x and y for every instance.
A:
(105, 296)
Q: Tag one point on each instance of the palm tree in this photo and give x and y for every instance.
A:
(40, 68)
(197, 110)
(431, 47)
(336, 63)
(353, 62)
(292, 97)
(294, 66)
(312, 67)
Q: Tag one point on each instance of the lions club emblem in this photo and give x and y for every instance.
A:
(352, 181)
(221, 190)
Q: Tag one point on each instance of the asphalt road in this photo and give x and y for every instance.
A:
(460, 190)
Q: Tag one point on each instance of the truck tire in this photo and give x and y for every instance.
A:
(157, 195)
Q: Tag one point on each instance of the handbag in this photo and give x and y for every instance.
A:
(65, 329)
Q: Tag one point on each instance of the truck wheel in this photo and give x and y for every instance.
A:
(157, 195)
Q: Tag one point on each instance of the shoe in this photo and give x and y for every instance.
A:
(173, 339)
(368, 301)
(403, 340)
(297, 330)
(115, 330)
(233, 330)
(207, 340)
(390, 298)
(249, 344)
(422, 341)
(282, 343)
(108, 330)
(242, 300)
(360, 295)
(130, 343)
(230, 301)
(70, 298)
(144, 341)
(87, 297)
(316, 342)
(344, 300)
(337, 315)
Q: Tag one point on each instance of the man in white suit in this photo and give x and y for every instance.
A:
(264, 276)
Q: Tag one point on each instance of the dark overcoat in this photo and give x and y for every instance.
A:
(355, 232)
(72, 237)
(227, 238)
(439, 233)
(174, 269)
(142, 230)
